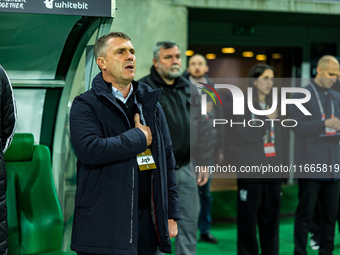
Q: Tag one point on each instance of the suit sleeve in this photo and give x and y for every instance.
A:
(8, 111)
(90, 145)
(173, 200)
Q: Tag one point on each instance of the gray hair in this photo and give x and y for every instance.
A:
(164, 45)
(101, 46)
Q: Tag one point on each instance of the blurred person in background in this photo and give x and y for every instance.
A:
(197, 74)
(311, 149)
(8, 124)
(181, 104)
(259, 196)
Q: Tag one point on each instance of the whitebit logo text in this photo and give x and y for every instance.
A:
(66, 5)
(49, 4)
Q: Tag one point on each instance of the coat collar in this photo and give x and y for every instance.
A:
(158, 79)
(147, 96)
(331, 92)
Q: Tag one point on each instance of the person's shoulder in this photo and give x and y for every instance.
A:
(302, 95)
(193, 88)
(335, 94)
(184, 80)
(186, 75)
(308, 86)
(3, 74)
(142, 84)
(145, 78)
(210, 81)
(85, 96)
(146, 87)
(181, 82)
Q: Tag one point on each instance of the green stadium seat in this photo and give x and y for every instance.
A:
(35, 221)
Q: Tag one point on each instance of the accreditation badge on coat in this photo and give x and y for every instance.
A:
(145, 160)
(330, 131)
(269, 150)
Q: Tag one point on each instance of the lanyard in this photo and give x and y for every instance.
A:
(322, 111)
(271, 132)
(140, 108)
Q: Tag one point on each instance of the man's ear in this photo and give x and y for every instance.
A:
(101, 63)
(206, 69)
(318, 70)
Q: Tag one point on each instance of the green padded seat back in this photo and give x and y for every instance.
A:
(21, 148)
(35, 222)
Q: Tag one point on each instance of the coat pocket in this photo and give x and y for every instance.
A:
(88, 184)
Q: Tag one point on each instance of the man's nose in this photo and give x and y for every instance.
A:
(175, 60)
(130, 56)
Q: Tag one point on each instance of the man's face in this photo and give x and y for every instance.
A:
(327, 74)
(197, 67)
(169, 63)
(119, 61)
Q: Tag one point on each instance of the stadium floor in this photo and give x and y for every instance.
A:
(226, 235)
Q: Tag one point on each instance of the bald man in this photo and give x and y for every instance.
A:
(317, 147)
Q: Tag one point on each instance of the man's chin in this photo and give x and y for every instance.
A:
(129, 78)
(174, 74)
(197, 76)
(131, 75)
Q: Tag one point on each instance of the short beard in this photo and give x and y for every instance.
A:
(172, 74)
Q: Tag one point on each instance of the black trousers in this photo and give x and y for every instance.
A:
(258, 204)
(147, 238)
(328, 195)
(316, 221)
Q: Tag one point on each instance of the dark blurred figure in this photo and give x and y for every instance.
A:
(315, 224)
(8, 123)
(197, 74)
(336, 87)
(314, 241)
(123, 204)
(324, 187)
(180, 102)
(259, 196)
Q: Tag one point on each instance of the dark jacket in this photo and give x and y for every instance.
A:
(188, 128)
(309, 147)
(250, 149)
(216, 135)
(8, 123)
(105, 216)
